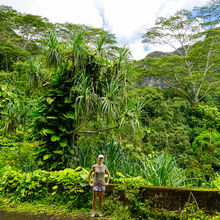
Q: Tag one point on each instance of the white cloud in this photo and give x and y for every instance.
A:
(25, 6)
(137, 49)
(127, 19)
(75, 11)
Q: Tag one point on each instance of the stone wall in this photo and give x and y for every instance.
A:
(175, 198)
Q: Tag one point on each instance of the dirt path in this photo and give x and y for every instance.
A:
(22, 216)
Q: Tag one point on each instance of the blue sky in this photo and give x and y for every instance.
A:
(127, 19)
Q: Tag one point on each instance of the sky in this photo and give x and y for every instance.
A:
(126, 19)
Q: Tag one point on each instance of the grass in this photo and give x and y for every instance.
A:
(39, 207)
(111, 209)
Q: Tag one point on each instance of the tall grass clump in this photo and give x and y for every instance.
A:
(163, 170)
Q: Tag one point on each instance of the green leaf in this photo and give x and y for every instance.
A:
(58, 152)
(51, 117)
(59, 92)
(67, 100)
(63, 143)
(217, 182)
(55, 187)
(69, 115)
(49, 100)
(54, 165)
(55, 138)
(47, 156)
(22, 192)
(48, 131)
(42, 149)
(62, 128)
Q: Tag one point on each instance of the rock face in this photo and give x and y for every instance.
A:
(160, 53)
(152, 81)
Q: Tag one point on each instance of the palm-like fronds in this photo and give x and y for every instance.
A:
(123, 57)
(132, 114)
(87, 99)
(84, 156)
(130, 167)
(15, 115)
(101, 42)
(77, 39)
(35, 73)
(113, 155)
(53, 51)
(78, 49)
(162, 170)
(101, 52)
(110, 99)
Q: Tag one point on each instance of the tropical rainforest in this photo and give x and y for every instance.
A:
(69, 92)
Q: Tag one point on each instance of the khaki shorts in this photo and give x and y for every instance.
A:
(99, 188)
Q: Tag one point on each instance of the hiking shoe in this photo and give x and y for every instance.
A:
(93, 214)
(100, 214)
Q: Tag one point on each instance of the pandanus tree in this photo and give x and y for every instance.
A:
(85, 95)
(52, 50)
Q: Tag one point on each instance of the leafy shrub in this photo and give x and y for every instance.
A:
(20, 156)
(208, 144)
(115, 208)
(63, 187)
(192, 211)
(139, 209)
(126, 205)
(130, 180)
(217, 182)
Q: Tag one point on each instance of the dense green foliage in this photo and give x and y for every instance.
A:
(86, 88)
(68, 93)
(67, 186)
